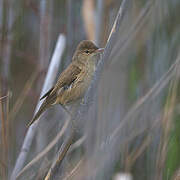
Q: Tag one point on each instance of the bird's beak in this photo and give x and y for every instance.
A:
(100, 50)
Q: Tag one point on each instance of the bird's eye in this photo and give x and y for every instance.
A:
(87, 51)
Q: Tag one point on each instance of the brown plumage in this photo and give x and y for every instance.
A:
(74, 80)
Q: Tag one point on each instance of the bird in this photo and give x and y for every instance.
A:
(74, 81)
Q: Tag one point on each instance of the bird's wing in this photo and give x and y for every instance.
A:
(47, 94)
(65, 80)
(67, 77)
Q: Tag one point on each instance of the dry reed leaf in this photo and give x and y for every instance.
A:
(19, 102)
(89, 19)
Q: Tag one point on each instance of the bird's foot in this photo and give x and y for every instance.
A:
(82, 102)
(67, 110)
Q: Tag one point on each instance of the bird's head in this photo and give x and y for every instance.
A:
(85, 50)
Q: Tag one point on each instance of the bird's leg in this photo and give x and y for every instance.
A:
(71, 116)
(83, 101)
(66, 109)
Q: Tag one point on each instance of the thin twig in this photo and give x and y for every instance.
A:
(167, 122)
(50, 146)
(137, 152)
(71, 174)
(134, 29)
(78, 143)
(61, 154)
(152, 93)
(50, 78)
(46, 150)
(23, 95)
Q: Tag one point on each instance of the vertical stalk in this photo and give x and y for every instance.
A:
(44, 39)
(50, 78)
(100, 22)
(7, 13)
(70, 30)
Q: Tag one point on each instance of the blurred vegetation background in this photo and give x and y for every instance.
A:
(133, 125)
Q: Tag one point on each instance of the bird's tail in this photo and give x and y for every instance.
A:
(42, 108)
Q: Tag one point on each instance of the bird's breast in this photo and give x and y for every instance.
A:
(80, 85)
